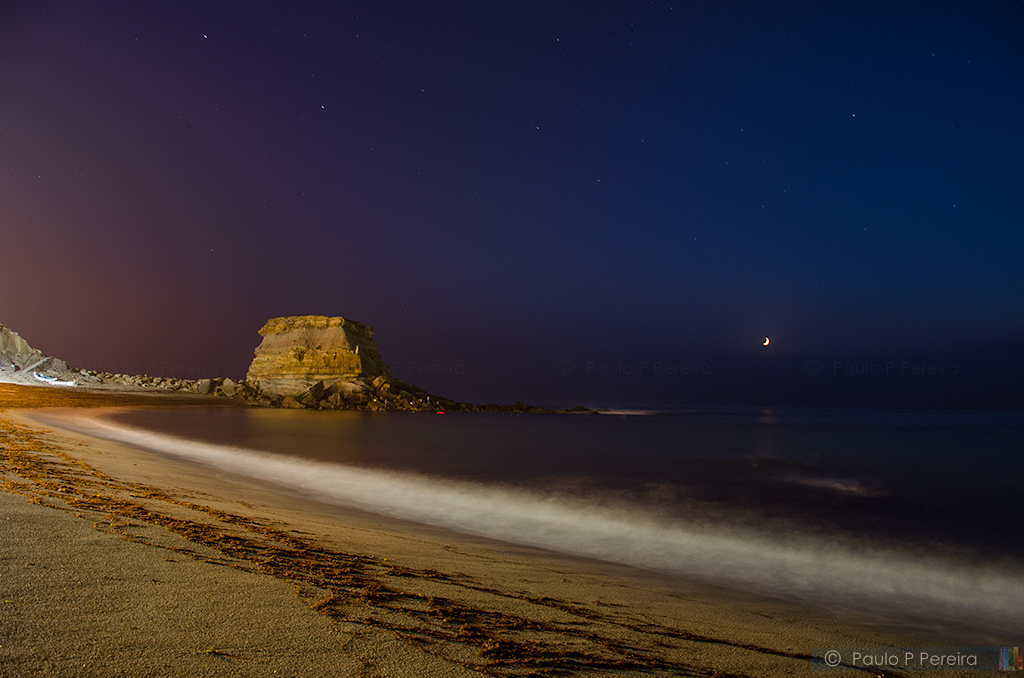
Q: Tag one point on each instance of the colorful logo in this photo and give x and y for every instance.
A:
(1011, 659)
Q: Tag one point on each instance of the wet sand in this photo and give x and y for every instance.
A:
(120, 561)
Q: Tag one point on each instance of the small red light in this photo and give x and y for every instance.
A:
(440, 411)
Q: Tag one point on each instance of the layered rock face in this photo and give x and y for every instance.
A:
(299, 351)
(12, 344)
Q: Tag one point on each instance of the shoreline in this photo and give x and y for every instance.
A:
(422, 600)
(888, 579)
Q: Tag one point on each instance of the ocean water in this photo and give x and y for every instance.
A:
(918, 511)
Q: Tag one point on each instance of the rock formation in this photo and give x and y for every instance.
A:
(11, 344)
(20, 363)
(300, 351)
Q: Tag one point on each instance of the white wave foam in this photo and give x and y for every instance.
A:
(812, 569)
(837, 485)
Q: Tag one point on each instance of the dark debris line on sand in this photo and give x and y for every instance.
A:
(545, 637)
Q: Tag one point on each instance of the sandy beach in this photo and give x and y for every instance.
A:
(118, 561)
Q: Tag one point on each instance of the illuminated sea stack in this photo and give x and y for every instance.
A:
(297, 352)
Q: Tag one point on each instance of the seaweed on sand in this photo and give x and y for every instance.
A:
(490, 630)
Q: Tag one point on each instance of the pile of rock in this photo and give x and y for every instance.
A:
(216, 386)
(134, 380)
(389, 395)
(377, 395)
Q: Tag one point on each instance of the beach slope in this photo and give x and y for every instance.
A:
(118, 560)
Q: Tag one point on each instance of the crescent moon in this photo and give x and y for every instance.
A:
(765, 341)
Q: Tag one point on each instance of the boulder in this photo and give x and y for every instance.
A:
(312, 395)
(357, 398)
(299, 351)
(289, 402)
(228, 388)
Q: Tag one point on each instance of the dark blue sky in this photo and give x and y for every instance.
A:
(508, 190)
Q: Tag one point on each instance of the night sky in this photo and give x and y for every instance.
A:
(564, 203)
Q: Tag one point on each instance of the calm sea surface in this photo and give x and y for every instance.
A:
(940, 482)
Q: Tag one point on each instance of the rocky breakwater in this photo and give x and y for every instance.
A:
(22, 364)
